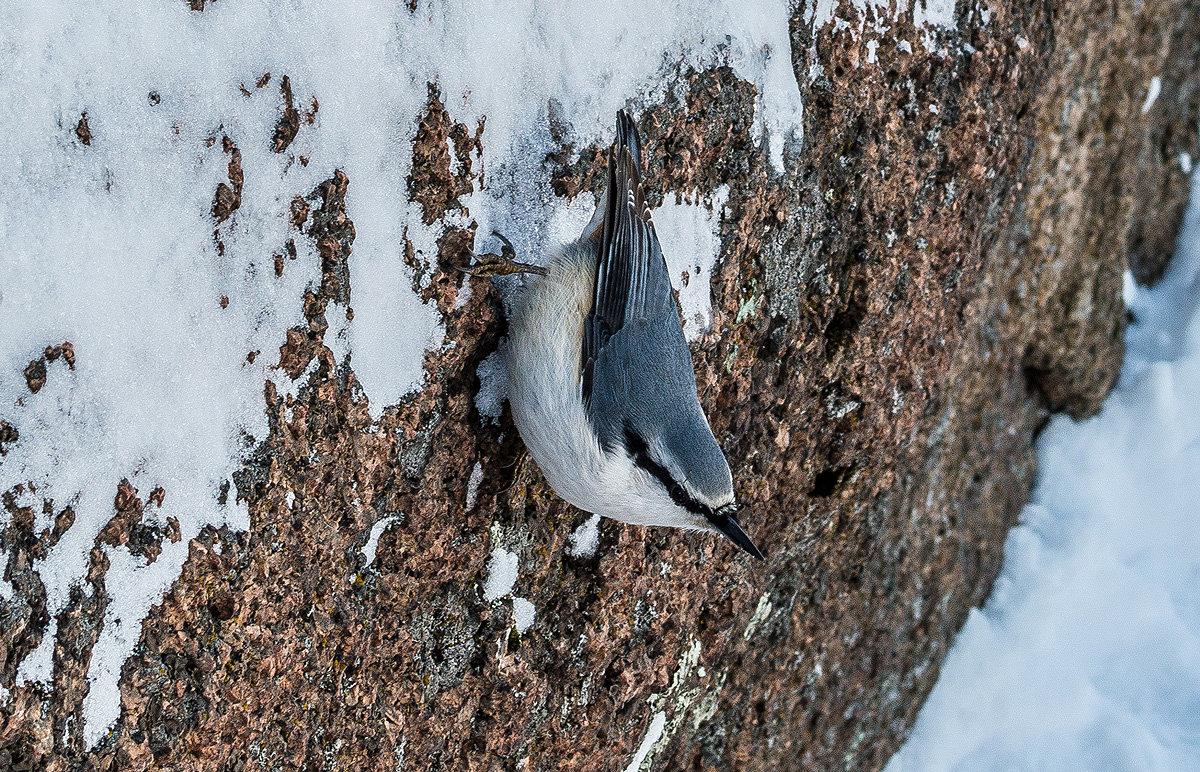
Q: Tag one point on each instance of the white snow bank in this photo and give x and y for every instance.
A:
(1087, 654)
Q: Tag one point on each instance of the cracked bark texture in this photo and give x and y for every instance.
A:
(895, 317)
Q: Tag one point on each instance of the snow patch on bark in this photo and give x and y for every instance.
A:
(653, 734)
(691, 241)
(523, 614)
(372, 544)
(585, 539)
(501, 576)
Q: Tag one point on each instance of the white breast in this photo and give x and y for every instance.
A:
(545, 348)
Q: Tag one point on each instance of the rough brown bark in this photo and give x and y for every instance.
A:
(894, 318)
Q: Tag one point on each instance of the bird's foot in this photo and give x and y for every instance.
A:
(498, 265)
(503, 264)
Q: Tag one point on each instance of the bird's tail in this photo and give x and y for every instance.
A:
(624, 181)
(625, 171)
(627, 137)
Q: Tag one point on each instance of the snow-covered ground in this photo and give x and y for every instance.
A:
(1087, 654)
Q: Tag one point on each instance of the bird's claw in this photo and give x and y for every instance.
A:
(503, 264)
(506, 250)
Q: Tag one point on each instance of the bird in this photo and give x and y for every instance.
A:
(601, 383)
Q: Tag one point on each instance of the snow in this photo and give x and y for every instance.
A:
(111, 247)
(653, 735)
(120, 631)
(928, 16)
(523, 614)
(501, 576)
(691, 242)
(372, 543)
(1152, 92)
(586, 59)
(585, 539)
(933, 13)
(38, 664)
(390, 331)
(1087, 654)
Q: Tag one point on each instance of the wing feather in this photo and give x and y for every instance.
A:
(632, 281)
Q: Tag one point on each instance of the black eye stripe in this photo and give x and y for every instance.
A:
(640, 452)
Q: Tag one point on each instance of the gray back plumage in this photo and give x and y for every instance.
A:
(638, 382)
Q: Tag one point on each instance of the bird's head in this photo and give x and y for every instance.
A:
(696, 478)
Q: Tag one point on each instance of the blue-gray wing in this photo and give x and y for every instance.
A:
(632, 282)
(638, 382)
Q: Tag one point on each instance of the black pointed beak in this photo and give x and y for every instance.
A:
(723, 521)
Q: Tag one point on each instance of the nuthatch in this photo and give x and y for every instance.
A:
(600, 376)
